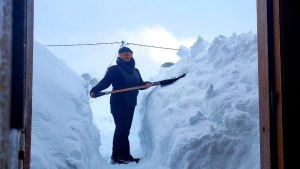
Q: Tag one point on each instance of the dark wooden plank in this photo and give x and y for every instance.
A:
(278, 87)
(5, 76)
(29, 76)
(290, 35)
(278, 43)
(263, 73)
(17, 120)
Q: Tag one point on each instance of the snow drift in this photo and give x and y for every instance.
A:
(63, 133)
(209, 118)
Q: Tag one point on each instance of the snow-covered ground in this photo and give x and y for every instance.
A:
(208, 119)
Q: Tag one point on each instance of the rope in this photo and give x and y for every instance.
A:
(122, 44)
(83, 44)
(151, 46)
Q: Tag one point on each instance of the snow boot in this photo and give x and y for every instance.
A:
(128, 159)
(114, 159)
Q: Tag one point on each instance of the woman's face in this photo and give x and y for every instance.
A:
(126, 56)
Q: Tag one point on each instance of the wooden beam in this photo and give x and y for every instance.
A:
(29, 75)
(278, 134)
(278, 44)
(289, 45)
(17, 120)
(263, 71)
(5, 77)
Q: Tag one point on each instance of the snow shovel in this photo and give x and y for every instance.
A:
(161, 83)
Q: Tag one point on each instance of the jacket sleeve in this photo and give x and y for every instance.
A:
(105, 82)
(141, 80)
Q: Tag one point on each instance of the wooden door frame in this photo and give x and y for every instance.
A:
(16, 47)
(278, 37)
(276, 28)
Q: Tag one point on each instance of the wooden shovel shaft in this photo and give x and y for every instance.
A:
(131, 88)
(162, 83)
(128, 89)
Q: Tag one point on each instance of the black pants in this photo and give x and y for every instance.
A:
(123, 116)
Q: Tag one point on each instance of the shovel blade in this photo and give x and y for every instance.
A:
(170, 81)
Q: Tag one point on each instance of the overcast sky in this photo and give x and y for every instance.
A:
(166, 23)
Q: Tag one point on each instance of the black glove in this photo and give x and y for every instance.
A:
(95, 95)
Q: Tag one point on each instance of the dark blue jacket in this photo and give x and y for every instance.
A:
(120, 76)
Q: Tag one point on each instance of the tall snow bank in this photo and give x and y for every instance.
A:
(209, 118)
(63, 133)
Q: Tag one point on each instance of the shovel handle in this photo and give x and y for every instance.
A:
(161, 83)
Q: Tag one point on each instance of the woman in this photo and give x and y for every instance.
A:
(122, 75)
